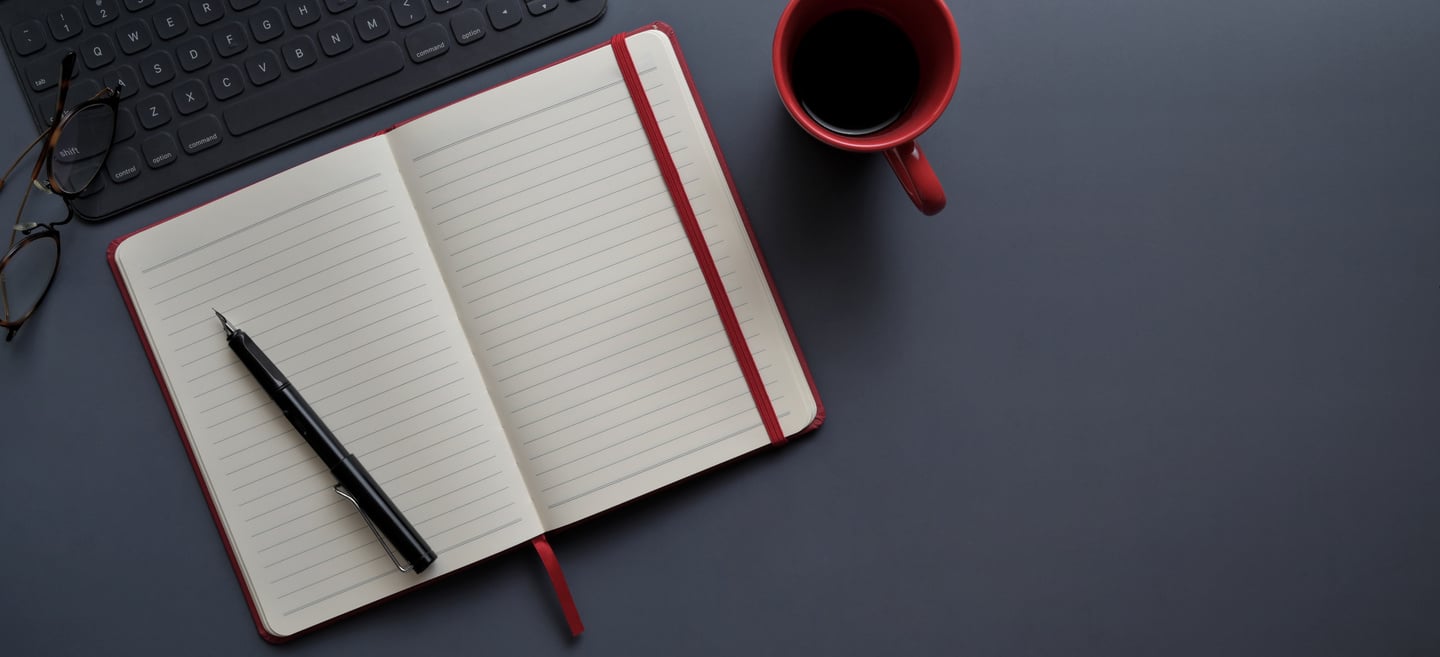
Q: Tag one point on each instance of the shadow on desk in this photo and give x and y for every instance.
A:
(822, 216)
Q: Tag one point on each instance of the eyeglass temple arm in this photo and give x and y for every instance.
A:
(67, 67)
(6, 177)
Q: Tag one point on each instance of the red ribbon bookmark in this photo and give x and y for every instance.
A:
(697, 240)
(557, 580)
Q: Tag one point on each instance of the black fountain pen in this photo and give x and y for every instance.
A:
(356, 484)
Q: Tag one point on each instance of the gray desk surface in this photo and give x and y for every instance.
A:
(1162, 380)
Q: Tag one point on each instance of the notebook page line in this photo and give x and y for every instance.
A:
(307, 202)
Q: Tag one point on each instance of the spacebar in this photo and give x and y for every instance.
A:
(313, 87)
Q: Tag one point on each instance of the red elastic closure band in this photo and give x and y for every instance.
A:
(557, 580)
(697, 239)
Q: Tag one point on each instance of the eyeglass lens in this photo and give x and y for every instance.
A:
(25, 276)
(81, 147)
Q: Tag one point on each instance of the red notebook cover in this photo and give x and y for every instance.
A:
(540, 545)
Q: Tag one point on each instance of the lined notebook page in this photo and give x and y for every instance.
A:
(579, 291)
(327, 268)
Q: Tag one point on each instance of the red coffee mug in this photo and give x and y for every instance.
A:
(931, 31)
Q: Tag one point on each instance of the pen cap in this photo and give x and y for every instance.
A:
(264, 371)
(384, 515)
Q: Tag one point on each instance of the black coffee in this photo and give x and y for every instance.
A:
(855, 72)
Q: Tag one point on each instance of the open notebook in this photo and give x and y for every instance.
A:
(494, 306)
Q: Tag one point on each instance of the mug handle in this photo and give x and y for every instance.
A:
(917, 177)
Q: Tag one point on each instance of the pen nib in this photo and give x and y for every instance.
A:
(229, 328)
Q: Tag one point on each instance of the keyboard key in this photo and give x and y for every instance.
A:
(190, 97)
(134, 37)
(371, 23)
(82, 90)
(44, 72)
(170, 22)
(46, 107)
(194, 54)
(137, 5)
(78, 150)
(504, 14)
(160, 150)
(200, 134)
(427, 43)
(407, 12)
(230, 40)
(337, 6)
(303, 12)
(538, 7)
(65, 24)
(206, 11)
(124, 80)
(158, 68)
(124, 124)
(299, 53)
(333, 79)
(242, 5)
(101, 12)
(98, 51)
(27, 37)
(468, 26)
(154, 111)
(444, 5)
(226, 83)
(263, 68)
(335, 39)
(123, 164)
(266, 25)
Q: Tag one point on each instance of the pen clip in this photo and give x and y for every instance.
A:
(341, 491)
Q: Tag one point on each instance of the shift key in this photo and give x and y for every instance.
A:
(315, 85)
(427, 43)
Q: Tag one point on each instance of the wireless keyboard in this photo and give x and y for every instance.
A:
(209, 84)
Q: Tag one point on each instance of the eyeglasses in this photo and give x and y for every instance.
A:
(72, 154)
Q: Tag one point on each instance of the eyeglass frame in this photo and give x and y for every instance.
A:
(34, 231)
